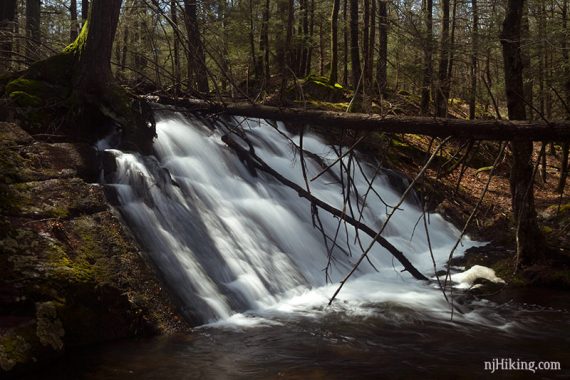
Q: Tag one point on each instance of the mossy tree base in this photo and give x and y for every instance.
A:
(46, 102)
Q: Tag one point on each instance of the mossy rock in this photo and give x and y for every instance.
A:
(319, 88)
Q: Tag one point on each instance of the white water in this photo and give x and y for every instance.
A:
(241, 249)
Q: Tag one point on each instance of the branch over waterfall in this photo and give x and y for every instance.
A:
(262, 166)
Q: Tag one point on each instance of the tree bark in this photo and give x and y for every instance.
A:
(382, 68)
(356, 104)
(345, 43)
(365, 48)
(264, 43)
(372, 48)
(428, 58)
(333, 77)
(566, 58)
(74, 27)
(94, 60)
(7, 17)
(437, 127)
(176, 48)
(84, 10)
(197, 73)
(474, 53)
(529, 239)
(33, 30)
(442, 94)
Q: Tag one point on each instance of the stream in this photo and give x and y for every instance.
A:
(245, 257)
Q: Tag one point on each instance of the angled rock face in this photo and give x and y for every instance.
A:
(71, 275)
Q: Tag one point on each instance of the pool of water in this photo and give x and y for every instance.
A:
(391, 342)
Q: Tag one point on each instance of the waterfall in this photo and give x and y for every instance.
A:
(231, 242)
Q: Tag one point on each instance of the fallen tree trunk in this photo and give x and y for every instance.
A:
(254, 160)
(430, 126)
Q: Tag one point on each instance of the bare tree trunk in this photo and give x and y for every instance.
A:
(74, 28)
(264, 43)
(474, 53)
(321, 49)
(84, 11)
(254, 63)
(33, 31)
(304, 51)
(526, 62)
(7, 23)
(176, 48)
(566, 58)
(345, 43)
(428, 58)
(372, 47)
(286, 54)
(530, 242)
(311, 35)
(451, 51)
(483, 129)
(197, 55)
(94, 62)
(365, 48)
(382, 68)
(442, 94)
(354, 48)
(333, 77)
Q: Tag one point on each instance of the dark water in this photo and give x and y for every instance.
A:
(391, 343)
(260, 245)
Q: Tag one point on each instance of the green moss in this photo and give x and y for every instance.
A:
(76, 47)
(332, 106)
(14, 349)
(505, 269)
(49, 328)
(23, 99)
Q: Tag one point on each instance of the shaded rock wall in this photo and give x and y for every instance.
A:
(71, 275)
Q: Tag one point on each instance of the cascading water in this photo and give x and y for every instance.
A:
(230, 240)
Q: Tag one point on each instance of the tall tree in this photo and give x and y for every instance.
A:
(345, 42)
(474, 53)
(382, 68)
(428, 57)
(442, 94)
(333, 77)
(197, 70)
(33, 30)
(566, 84)
(365, 47)
(372, 47)
(74, 26)
(94, 55)
(7, 16)
(529, 240)
(84, 10)
(354, 48)
(264, 43)
(176, 48)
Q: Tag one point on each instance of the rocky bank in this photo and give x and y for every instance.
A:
(71, 274)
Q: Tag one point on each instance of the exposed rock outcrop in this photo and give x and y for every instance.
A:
(71, 275)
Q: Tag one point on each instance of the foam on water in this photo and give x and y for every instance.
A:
(241, 248)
